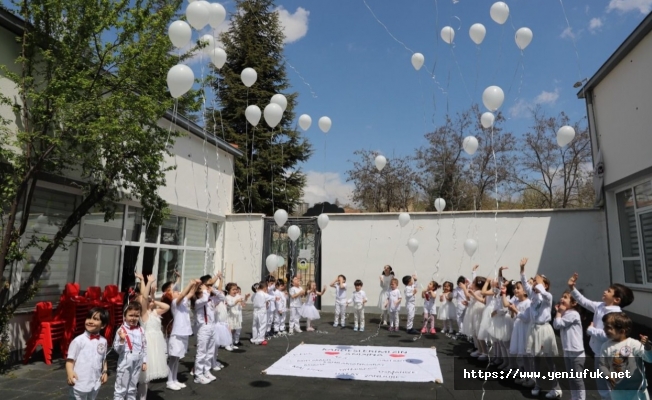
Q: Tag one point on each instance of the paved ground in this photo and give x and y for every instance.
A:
(242, 378)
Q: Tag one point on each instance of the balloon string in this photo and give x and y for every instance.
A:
(572, 36)
(386, 29)
(459, 69)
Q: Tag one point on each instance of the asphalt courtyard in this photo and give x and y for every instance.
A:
(242, 379)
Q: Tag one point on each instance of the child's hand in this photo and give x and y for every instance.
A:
(503, 291)
(104, 378)
(441, 297)
(475, 266)
(72, 379)
(493, 313)
(591, 324)
(502, 268)
(144, 367)
(122, 334)
(247, 296)
(645, 341)
(464, 302)
(538, 280)
(150, 278)
(522, 264)
(139, 276)
(572, 280)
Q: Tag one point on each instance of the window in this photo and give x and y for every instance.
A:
(99, 265)
(96, 228)
(169, 260)
(635, 223)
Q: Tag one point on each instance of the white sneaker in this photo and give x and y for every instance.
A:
(536, 391)
(202, 380)
(228, 348)
(297, 330)
(181, 385)
(209, 376)
(217, 368)
(475, 353)
(173, 386)
(553, 394)
(482, 357)
(335, 325)
(192, 373)
(235, 347)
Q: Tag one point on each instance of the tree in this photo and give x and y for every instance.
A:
(392, 189)
(91, 79)
(465, 181)
(267, 178)
(554, 176)
(323, 208)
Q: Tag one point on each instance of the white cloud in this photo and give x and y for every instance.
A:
(595, 25)
(523, 108)
(547, 97)
(643, 6)
(295, 26)
(567, 33)
(326, 186)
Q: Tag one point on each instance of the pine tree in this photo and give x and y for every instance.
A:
(267, 178)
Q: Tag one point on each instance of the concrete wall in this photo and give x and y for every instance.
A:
(557, 243)
(622, 106)
(243, 246)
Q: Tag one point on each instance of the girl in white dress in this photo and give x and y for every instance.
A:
(502, 323)
(234, 304)
(385, 281)
(429, 307)
(473, 315)
(519, 309)
(150, 321)
(447, 310)
(308, 310)
(489, 293)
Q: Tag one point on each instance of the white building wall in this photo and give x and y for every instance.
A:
(622, 106)
(557, 244)
(243, 246)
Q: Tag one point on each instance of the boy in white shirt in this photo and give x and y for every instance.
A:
(259, 324)
(281, 307)
(410, 301)
(393, 304)
(340, 299)
(131, 346)
(295, 305)
(359, 299)
(271, 310)
(181, 330)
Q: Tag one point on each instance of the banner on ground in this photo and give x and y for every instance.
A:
(366, 363)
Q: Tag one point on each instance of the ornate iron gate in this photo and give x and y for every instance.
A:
(301, 258)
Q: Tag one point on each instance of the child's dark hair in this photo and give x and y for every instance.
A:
(262, 284)
(255, 286)
(343, 277)
(619, 320)
(229, 286)
(270, 279)
(461, 279)
(573, 303)
(623, 293)
(280, 282)
(358, 282)
(134, 305)
(103, 313)
(391, 272)
(166, 286)
(204, 279)
(435, 285)
(509, 288)
(406, 279)
(518, 283)
(448, 283)
(479, 282)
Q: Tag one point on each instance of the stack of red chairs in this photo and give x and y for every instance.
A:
(113, 300)
(46, 328)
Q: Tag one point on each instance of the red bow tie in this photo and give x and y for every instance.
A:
(95, 337)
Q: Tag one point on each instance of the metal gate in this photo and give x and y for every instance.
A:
(301, 258)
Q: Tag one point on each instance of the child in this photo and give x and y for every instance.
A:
(131, 346)
(86, 365)
(168, 289)
(271, 307)
(385, 281)
(541, 341)
(340, 299)
(393, 304)
(410, 301)
(281, 307)
(259, 326)
(615, 298)
(461, 301)
(150, 320)
(234, 303)
(519, 308)
(181, 330)
(447, 311)
(429, 308)
(473, 315)
(501, 324)
(359, 299)
(624, 355)
(569, 323)
(308, 310)
(295, 305)
(205, 320)
(223, 335)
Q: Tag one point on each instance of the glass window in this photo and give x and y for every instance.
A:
(213, 234)
(99, 265)
(172, 231)
(646, 231)
(195, 233)
(151, 236)
(627, 222)
(633, 271)
(169, 260)
(96, 228)
(643, 195)
(134, 224)
(193, 266)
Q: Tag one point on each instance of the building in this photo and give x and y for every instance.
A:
(619, 104)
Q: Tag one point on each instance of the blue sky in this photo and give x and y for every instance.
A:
(353, 71)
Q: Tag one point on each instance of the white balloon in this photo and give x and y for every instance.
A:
(180, 34)
(417, 60)
(249, 77)
(294, 232)
(280, 261)
(305, 121)
(208, 41)
(216, 14)
(180, 80)
(324, 124)
(403, 219)
(487, 120)
(470, 145)
(477, 33)
(493, 98)
(322, 221)
(380, 162)
(440, 204)
(167, 255)
(271, 262)
(523, 38)
(253, 114)
(280, 100)
(197, 14)
(413, 245)
(470, 246)
(280, 217)
(499, 12)
(218, 57)
(448, 34)
(565, 135)
(273, 114)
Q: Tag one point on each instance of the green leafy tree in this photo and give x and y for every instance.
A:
(91, 85)
(267, 178)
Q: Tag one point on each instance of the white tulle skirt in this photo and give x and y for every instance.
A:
(309, 312)
(222, 334)
(501, 327)
(447, 311)
(472, 319)
(485, 322)
(519, 337)
(541, 341)
(157, 350)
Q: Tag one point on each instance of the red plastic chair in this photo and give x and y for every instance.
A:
(94, 293)
(45, 330)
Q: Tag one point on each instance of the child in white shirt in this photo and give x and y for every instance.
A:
(86, 366)
(296, 291)
(259, 325)
(131, 346)
(281, 307)
(393, 304)
(410, 301)
(271, 309)
(359, 299)
(340, 299)
(181, 330)
(569, 323)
